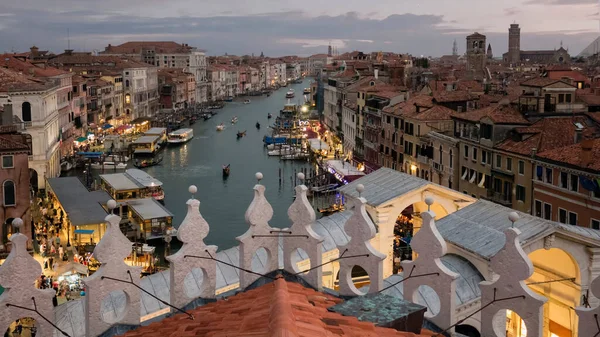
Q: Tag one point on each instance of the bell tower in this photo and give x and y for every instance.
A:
(514, 44)
(476, 54)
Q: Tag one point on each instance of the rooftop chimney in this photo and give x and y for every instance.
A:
(586, 152)
(69, 51)
(376, 72)
(533, 152)
(578, 135)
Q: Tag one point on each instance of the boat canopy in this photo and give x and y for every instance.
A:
(317, 144)
(90, 154)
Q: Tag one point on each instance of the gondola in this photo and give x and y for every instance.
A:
(257, 125)
(269, 116)
(331, 209)
(241, 134)
(147, 162)
(226, 170)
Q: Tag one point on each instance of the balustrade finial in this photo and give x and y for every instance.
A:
(17, 224)
(360, 188)
(513, 217)
(259, 176)
(301, 177)
(192, 189)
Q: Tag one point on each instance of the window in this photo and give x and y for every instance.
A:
(451, 159)
(549, 175)
(538, 209)
(498, 161)
(127, 83)
(539, 172)
(595, 224)
(509, 164)
(466, 152)
(561, 98)
(574, 183)
(521, 193)
(521, 167)
(547, 211)
(418, 130)
(572, 218)
(8, 162)
(475, 154)
(564, 182)
(441, 156)
(568, 98)
(486, 131)
(484, 157)
(26, 112)
(10, 193)
(562, 215)
(358, 95)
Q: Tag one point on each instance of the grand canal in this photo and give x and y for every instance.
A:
(199, 162)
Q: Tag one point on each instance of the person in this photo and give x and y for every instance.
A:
(43, 248)
(61, 252)
(50, 262)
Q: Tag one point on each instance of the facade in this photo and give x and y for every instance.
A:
(547, 96)
(566, 186)
(445, 159)
(318, 62)
(350, 122)
(198, 68)
(15, 192)
(140, 91)
(116, 79)
(516, 56)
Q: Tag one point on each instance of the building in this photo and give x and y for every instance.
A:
(543, 96)
(318, 62)
(34, 105)
(177, 89)
(14, 176)
(516, 56)
(476, 55)
(566, 186)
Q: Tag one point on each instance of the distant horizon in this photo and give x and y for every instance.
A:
(281, 28)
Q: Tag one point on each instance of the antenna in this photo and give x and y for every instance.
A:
(68, 40)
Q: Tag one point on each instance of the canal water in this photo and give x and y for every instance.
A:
(199, 162)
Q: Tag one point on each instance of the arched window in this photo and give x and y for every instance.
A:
(441, 155)
(126, 83)
(9, 193)
(26, 112)
(451, 159)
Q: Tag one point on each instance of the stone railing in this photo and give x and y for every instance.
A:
(193, 271)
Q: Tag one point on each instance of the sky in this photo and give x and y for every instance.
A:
(305, 27)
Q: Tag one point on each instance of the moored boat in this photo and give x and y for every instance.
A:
(107, 165)
(220, 127)
(147, 162)
(180, 136)
(229, 99)
(66, 166)
(295, 156)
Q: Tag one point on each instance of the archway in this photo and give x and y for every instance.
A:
(22, 327)
(467, 330)
(557, 277)
(33, 180)
(26, 112)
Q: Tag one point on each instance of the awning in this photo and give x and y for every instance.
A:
(84, 231)
(123, 127)
(106, 126)
(81, 139)
(71, 267)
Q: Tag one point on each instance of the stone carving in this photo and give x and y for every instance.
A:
(511, 267)
(259, 235)
(191, 232)
(303, 216)
(430, 246)
(111, 251)
(361, 230)
(549, 241)
(18, 274)
(589, 318)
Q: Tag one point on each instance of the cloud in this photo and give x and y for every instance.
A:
(561, 2)
(512, 11)
(275, 33)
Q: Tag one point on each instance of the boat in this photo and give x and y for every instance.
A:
(220, 127)
(226, 170)
(241, 134)
(331, 209)
(229, 99)
(290, 94)
(269, 116)
(206, 116)
(246, 101)
(152, 185)
(193, 120)
(147, 162)
(281, 152)
(324, 188)
(107, 165)
(306, 91)
(116, 158)
(234, 120)
(66, 166)
(295, 156)
(257, 125)
(180, 136)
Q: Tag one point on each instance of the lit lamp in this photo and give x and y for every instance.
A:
(413, 167)
(127, 99)
(304, 108)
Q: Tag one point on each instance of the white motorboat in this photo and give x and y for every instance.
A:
(220, 127)
(282, 152)
(109, 165)
(180, 136)
(116, 158)
(66, 166)
(234, 120)
(324, 188)
(307, 91)
(277, 146)
(246, 101)
(290, 94)
(295, 156)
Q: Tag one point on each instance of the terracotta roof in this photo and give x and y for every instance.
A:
(427, 111)
(15, 81)
(13, 142)
(28, 68)
(276, 309)
(451, 96)
(498, 113)
(547, 134)
(541, 82)
(572, 74)
(135, 47)
(573, 155)
(590, 99)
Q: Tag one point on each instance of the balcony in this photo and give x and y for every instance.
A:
(499, 198)
(423, 160)
(438, 167)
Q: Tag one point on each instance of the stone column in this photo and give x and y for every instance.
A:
(594, 273)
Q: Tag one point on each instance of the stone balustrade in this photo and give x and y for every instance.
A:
(193, 269)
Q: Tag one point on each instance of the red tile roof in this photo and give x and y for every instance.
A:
(572, 74)
(28, 68)
(452, 96)
(572, 155)
(548, 134)
(273, 310)
(498, 113)
(541, 82)
(135, 47)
